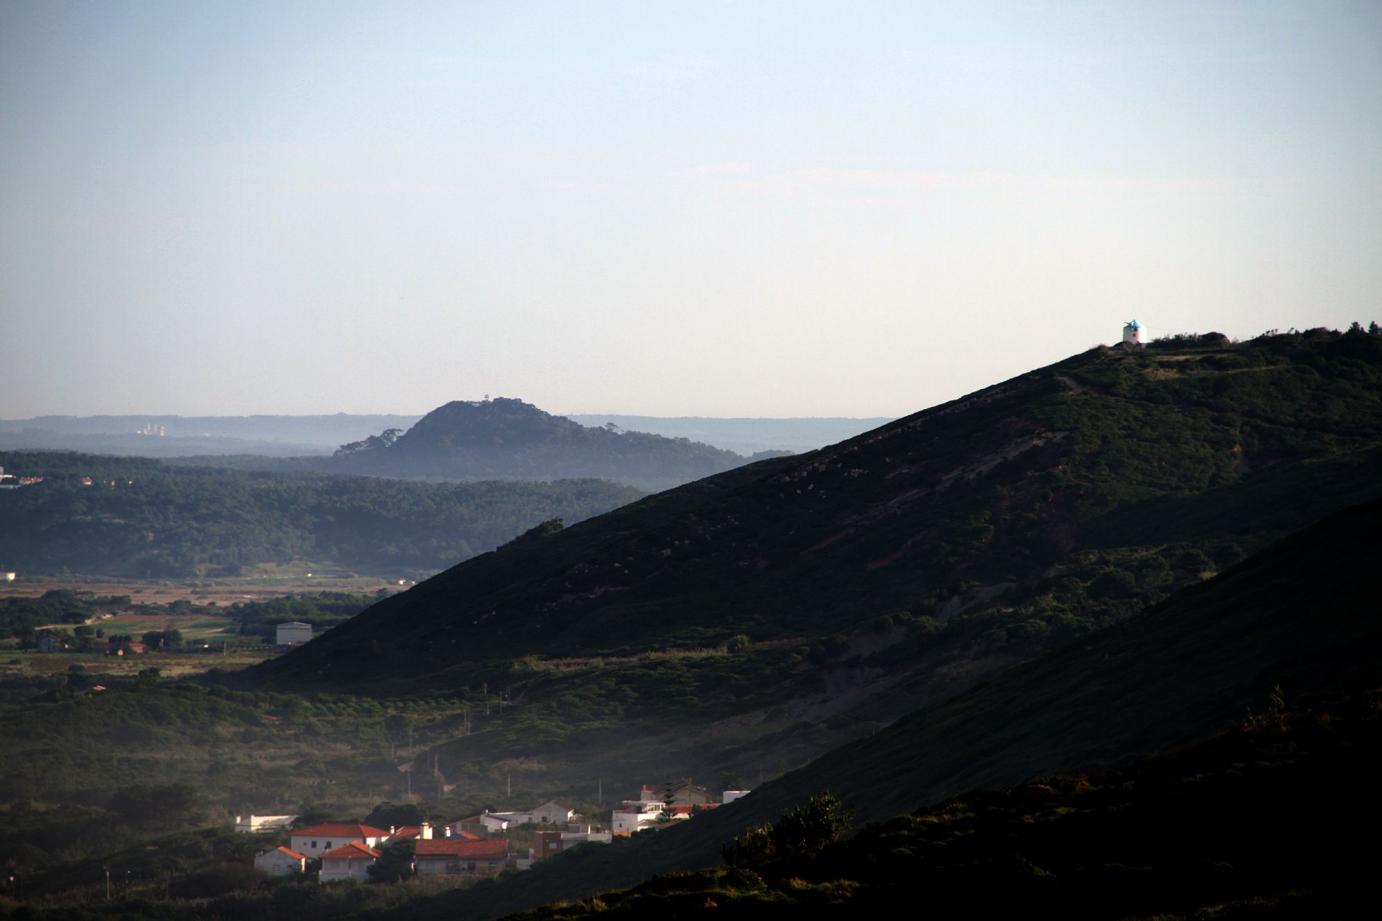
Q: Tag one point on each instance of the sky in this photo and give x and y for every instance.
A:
(704, 208)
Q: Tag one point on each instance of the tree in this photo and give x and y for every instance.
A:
(387, 814)
(800, 832)
(395, 863)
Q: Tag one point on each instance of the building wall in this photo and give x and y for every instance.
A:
(277, 863)
(345, 868)
(551, 814)
(254, 824)
(458, 866)
(293, 634)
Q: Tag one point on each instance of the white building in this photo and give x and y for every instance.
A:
(257, 824)
(293, 633)
(316, 840)
(551, 813)
(1132, 334)
(730, 796)
(281, 861)
(499, 822)
(351, 861)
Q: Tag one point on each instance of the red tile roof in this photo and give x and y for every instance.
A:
(494, 849)
(340, 830)
(291, 853)
(353, 849)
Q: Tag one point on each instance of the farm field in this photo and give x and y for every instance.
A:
(265, 583)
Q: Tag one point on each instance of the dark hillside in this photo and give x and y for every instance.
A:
(990, 528)
(1301, 616)
(1259, 822)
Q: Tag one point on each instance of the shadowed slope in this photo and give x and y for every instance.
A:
(1302, 615)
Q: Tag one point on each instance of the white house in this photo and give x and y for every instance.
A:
(552, 813)
(293, 633)
(281, 861)
(461, 857)
(257, 824)
(730, 796)
(351, 861)
(499, 822)
(316, 840)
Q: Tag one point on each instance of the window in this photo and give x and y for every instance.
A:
(314, 844)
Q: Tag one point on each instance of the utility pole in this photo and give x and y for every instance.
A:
(107, 869)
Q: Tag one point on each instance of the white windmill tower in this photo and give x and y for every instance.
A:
(1132, 335)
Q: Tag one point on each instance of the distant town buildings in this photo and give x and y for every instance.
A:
(10, 481)
(477, 846)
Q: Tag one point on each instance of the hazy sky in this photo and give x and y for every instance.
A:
(663, 208)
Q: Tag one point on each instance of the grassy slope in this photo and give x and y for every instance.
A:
(1302, 614)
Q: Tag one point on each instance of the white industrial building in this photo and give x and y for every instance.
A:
(293, 633)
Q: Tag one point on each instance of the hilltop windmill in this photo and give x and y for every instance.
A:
(1132, 335)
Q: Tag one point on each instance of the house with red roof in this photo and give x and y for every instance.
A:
(316, 840)
(281, 861)
(409, 832)
(461, 857)
(350, 861)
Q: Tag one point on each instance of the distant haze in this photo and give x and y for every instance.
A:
(668, 209)
(286, 436)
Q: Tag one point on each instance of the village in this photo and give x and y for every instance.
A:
(474, 847)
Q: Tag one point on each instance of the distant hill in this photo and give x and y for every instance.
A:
(1299, 619)
(509, 439)
(254, 438)
(143, 518)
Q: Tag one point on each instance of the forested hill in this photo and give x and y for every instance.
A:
(509, 439)
(987, 529)
(143, 518)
